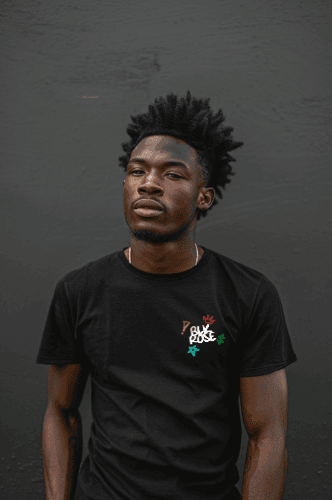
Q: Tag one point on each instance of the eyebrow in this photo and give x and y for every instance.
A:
(166, 164)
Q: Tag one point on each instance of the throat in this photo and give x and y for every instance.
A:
(200, 254)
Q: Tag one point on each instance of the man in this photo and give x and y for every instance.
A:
(171, 335)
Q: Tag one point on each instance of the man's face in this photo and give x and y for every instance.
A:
(174, 186)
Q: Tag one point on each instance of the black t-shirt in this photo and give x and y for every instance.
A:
(166, 353)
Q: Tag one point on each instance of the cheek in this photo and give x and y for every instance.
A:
(183, 207)
(184, 199)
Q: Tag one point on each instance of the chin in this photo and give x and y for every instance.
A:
(150, 236)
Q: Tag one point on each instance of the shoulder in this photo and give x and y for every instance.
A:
(248, 284)
(91, 271)
(237, 271)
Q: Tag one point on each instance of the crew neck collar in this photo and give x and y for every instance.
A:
(164, 277)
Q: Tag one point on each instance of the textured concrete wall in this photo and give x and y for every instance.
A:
(268, 65)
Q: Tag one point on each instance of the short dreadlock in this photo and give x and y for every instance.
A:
(191, 120)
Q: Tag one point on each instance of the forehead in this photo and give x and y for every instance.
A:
(167, 146)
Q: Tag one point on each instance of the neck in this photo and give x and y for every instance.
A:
(168, 258)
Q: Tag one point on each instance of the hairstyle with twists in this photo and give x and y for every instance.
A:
(191, 120)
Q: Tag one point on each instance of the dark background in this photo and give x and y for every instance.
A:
(267, 64)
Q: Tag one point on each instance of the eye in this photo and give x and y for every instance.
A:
(176, 175)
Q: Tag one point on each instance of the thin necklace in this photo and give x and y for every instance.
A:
(195, 262)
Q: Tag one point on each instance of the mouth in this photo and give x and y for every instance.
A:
(147, 212)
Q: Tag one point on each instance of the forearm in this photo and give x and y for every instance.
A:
(62, 453)
(265, 469)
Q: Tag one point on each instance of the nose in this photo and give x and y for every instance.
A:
(149, 184)
(143, 183)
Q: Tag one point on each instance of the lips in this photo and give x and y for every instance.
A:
(145, 203)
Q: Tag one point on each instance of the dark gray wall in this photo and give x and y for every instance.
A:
(268, 65)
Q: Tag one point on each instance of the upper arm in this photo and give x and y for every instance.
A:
(66, 384)
(264, 404)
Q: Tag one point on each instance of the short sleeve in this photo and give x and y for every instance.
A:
(266, 345)
(58, 343)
